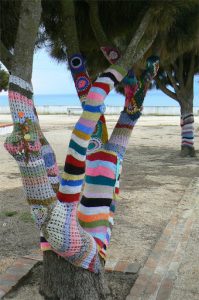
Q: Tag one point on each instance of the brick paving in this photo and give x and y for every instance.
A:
(157, 278)
(22, 266)
(14, 274)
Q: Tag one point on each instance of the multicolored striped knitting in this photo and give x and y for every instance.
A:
(74, 172)
(58, 220)
(187, 127)
(103, 170)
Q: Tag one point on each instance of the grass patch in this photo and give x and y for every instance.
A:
(26, 217)
(8, 213)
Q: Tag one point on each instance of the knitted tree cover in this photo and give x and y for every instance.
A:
(57, 219)
(49, 159)
(187, 130)
(103, 169)
(112, 54)
(80, 76)
(100, 134)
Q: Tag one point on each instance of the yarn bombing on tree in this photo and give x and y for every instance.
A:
(187, 126)
(103, 171)
(24, 145)
(80, 76)
(74, 171)
(58, 221)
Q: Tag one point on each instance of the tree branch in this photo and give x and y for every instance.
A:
(5, 56)
(70, 28)
(179, 70)
(165, 90)
(126, 59)
(144, 48)
(96, 24)
(190, 74)
(173, 81)
(30, 14)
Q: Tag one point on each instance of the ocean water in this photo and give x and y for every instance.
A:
(153, 98)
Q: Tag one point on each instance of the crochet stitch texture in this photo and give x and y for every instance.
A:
(57, 219)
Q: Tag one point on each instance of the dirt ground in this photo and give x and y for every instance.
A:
(153, 182)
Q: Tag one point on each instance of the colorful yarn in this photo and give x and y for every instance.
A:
(99, 136)
(80, 76)
(101, 189)
(134, 106)
(24, 145)
(49, 158)
(74, 172)
(94, 208)
(187, 130)
(111, 54)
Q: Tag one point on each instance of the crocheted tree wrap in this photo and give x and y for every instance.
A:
(49, 158)
(80, 76)
(139, 88)
(24, 140)
(101, 188)
(58, 220)
(99, 136)
(112, 54)
(187, 130)
(24, 145)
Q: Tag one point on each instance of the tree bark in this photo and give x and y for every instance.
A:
(5, 56)
(25, 41)
(64, 281)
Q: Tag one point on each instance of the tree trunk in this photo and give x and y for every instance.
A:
(64, 281)
(187, 128)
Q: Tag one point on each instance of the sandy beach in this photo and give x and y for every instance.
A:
(154, 180)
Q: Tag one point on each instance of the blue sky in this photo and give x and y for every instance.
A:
(52, 78)
(49, 77)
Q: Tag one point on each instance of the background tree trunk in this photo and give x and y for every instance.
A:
(187, 119)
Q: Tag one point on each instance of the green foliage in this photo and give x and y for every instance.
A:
(4, 77)
(9, 18)
(177, 22)
(8, 213)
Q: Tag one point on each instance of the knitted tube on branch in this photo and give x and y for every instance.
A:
(79, 248)
(187, 130)
(24, 145)
(83, 84)
(80, 76)
(100, 134)
(102, 170)
(135, 92)
(102, 173)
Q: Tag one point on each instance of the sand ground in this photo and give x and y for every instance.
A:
(153, 182)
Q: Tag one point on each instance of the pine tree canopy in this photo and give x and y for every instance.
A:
(175, 21)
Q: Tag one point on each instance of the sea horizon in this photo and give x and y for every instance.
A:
(153, 98)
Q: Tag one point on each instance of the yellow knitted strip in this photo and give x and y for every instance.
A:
(67, 176)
